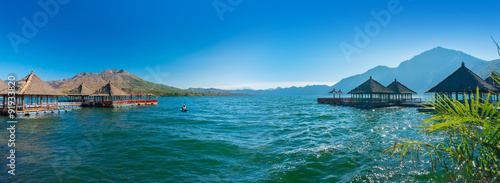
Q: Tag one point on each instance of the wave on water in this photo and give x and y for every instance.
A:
(220, 139)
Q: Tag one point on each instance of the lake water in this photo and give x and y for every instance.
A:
(220, 139)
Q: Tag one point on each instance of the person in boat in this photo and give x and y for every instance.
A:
(183, 107)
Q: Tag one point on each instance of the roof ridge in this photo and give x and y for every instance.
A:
(28, 82)
(468, 78)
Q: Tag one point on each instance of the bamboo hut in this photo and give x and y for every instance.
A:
(462, 84)
(371, 92)
(109, 96)
(401, 92)
(81, 93)
(32, 94)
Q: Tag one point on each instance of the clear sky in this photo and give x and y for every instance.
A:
(236, 43)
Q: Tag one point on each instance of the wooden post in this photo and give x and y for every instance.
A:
(15, 104)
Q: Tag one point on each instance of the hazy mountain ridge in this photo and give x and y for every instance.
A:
(423, 71)
(419, 73)
(306, 90)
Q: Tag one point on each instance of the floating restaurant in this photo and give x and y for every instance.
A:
(371, 94)
(32, 96)
(35, 96)
(460, 85)
(111, 96)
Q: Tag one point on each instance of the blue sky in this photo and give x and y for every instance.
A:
(235, 43)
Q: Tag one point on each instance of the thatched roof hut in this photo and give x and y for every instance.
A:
(109, 90)
(399, 88)
(3, 85)
(371, 87)
(463, 80)
(81, 90)
(34, 86)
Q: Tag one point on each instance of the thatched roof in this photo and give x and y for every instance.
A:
(463, 80)
(82, 90)
(33, 85)
(371, 86)
(492, 82)
(3, 85)
(109, 90)
(399, 88)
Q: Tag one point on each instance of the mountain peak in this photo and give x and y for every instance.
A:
(123, 71)
(114, 71)
(422, 71)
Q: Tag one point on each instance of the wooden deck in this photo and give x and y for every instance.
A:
(367, 103)
(35, 111)
(120, 103)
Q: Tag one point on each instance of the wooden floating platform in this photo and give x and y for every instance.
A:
(120, 103)
(39, 112)
(367, 105)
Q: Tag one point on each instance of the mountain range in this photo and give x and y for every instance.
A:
(125, 81)
(419, 73)
(423, 71)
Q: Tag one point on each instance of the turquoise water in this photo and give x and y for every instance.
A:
(220, 139)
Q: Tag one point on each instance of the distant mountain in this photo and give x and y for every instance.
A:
(420, 73)
(306, 90)
(423, 71)
(125, 81)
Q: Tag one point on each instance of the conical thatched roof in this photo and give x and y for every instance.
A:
(82, 90)
(399, 88)
(463, 80)
(3, 85)
(370, 86)
(109, 90)
(33, 85)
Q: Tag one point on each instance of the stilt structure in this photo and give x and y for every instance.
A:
(462, 84)
(32, 96)
(371, 94)
(78, 96)
(109, 96)
(81, 93)
(401, 92)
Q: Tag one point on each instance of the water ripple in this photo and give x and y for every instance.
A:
(220, 139)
